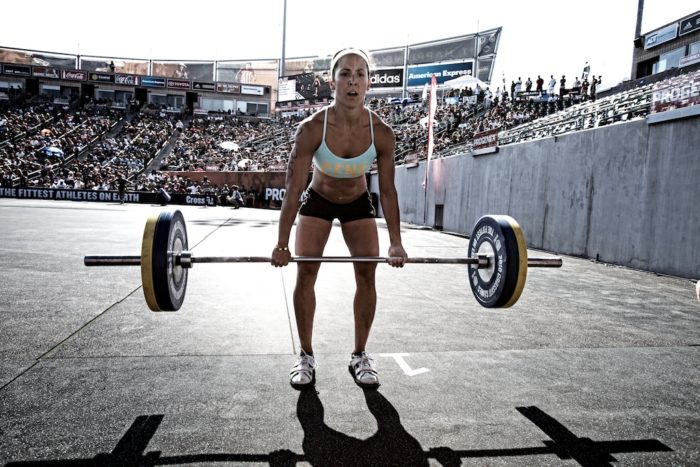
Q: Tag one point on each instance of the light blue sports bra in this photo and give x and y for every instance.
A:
(340, 167)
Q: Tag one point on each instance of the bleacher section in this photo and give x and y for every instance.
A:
(99, 143)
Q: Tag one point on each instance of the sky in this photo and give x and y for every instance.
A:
(555, 37)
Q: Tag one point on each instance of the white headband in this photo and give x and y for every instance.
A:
(349, 51)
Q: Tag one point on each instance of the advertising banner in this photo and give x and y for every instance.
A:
(228, 88)
(252, 90)
(262, 72)
(387, 78)
(114, 65)
(454, 49)
(304, 65)
(486, 139)
(152, 82)
(674, 93)
(74, 75)
(419, 75)
(488, 42)
(286, 89)
(306, 86)
(17, 70)
(178, 84)
(30, 57)
(45, 72)
(139, 197)
(127, 80)
(101, 77)
(660, 36)
(690, 24)
(203, 86)
(689, 60)
(388, 57)
(200, 71)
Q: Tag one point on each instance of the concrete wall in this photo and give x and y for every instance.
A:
(628, 194)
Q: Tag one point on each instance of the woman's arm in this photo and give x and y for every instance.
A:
(386, 144)
(297, 176)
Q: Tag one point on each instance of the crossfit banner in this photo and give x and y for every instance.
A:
(136, 197)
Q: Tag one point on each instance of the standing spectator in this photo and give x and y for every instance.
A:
(528, 85)
(540, 84)
(562, 86)
(518, 86)
(586, 70)
(121, 188)
(594, 86)
(552, 85)
(223, 194)
(584, 87)
(512, 89)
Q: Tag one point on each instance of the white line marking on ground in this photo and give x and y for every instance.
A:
(399, 357)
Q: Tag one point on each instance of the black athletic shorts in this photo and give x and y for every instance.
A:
(315, 205)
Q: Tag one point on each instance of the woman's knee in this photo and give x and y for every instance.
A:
(365, 274)
(307, 273)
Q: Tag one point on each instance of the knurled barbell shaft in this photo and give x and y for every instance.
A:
(480, 261)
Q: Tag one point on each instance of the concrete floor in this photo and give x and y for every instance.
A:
(595, 365)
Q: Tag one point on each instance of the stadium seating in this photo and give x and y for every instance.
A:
(99, 142)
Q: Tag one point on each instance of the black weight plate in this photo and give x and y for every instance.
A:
(169, 278)
(502, 239)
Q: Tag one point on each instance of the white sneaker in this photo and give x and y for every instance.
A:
(363, 370)
(303, 373)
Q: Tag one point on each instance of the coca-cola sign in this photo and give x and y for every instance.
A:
(74, 75)
(129, 80)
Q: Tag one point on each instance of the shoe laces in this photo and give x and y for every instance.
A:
(366, 362)
(306, 361)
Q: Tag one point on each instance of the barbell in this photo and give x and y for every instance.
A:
(497, 265)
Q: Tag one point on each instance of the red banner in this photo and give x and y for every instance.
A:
(486, 139)
(674, 93)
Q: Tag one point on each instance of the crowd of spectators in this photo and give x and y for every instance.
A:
(99, 144)
(231, 143)
(50, 141)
